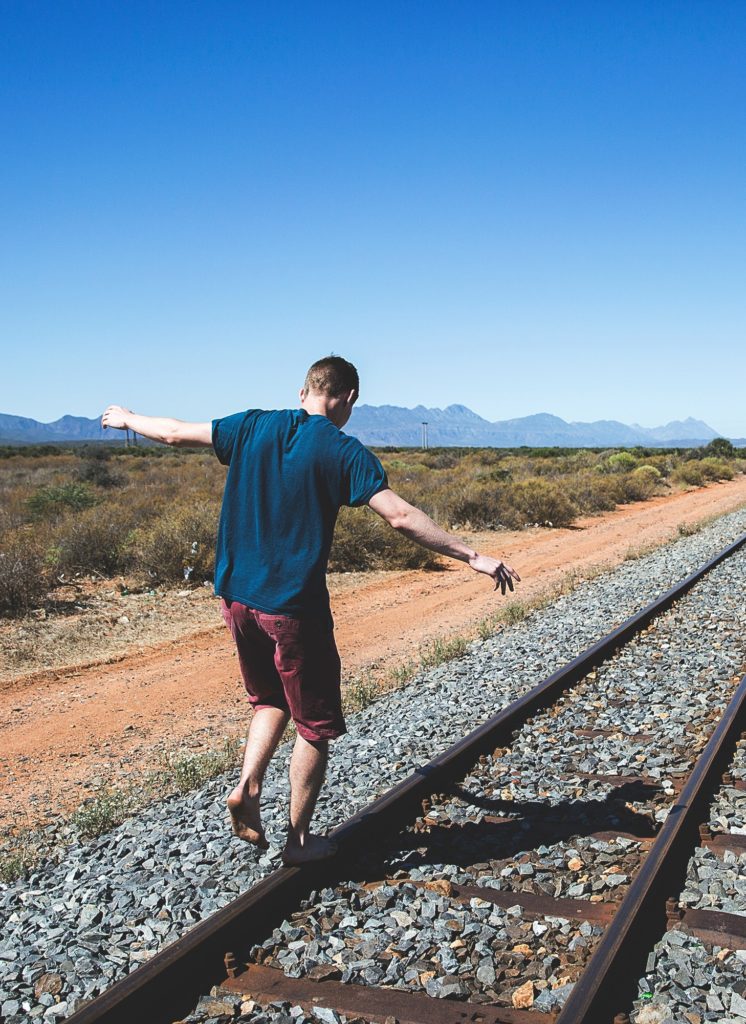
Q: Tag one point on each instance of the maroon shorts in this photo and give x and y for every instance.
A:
(291, 664)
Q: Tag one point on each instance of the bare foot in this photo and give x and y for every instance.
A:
(245, 818)
(314, 848)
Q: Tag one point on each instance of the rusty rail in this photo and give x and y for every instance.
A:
(607, 984)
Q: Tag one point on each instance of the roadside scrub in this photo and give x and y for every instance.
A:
(151, 513)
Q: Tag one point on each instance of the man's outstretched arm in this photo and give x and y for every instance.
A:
(419, 527)
(159, 428)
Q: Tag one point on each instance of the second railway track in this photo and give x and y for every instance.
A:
(529, 884)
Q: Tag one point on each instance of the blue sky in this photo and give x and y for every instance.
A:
(520, 207)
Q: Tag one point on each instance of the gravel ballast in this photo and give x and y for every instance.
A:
(108, 905)
(654, 704)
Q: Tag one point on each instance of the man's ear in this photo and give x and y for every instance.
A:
(352, 397)
(302, 395)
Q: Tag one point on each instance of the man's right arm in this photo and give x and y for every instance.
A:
(159, 428)
(419, 527)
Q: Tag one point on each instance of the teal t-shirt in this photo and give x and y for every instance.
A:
(288, 475)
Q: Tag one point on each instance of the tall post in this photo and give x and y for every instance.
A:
(424, 435)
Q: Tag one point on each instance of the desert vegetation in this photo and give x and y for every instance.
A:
(151, 513)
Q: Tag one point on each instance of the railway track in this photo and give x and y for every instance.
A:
(479, 889)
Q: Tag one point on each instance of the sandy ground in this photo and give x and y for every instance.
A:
(65, 730)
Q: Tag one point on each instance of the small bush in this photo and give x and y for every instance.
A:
(52, 501)
(649, 472)
(475, 506)
(640, 484)
(180, 544)
(94, 541)
(721, 447)
(592, 493)
(538, 502)
(98, 472)
(716, 469)
(620, 462)
(689, 473)
(23, 575)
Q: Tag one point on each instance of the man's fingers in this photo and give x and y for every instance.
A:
(504, 576)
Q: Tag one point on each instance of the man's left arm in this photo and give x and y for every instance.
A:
(159, 428)
(419, 527)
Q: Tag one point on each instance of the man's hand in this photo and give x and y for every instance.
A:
(500, 572)
(115, 416)
(159, 428)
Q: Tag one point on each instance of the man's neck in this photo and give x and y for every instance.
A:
(337, 408)
(316, 405)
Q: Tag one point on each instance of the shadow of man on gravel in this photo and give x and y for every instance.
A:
(510, 828)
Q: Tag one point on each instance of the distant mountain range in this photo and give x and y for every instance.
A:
(391, 425)
(21, 430)
(456, 425)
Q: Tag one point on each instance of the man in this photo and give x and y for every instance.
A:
(289, 472)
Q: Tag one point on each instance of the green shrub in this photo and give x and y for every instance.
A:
(51, 501)
(649, 472)
(619, 462)
(23, 575)
(721, 447)
(716, 469)
(362, 540)
(179, 544)
(689, 473)
(592, 493)
(539, 502)
(641, 484)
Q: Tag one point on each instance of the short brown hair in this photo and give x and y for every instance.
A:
(332, 376)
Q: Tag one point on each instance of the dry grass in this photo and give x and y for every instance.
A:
(151, 513)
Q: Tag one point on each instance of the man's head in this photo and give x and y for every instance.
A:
(332, 376)
(330, 389)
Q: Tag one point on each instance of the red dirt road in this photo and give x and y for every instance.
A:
(63, 732)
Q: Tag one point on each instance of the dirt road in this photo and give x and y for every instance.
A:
(63, 733)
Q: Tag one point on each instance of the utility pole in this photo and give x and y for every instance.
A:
(424, 435)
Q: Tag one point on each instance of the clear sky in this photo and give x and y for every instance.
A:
(518, 206)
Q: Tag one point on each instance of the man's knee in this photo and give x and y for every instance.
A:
(320, 745)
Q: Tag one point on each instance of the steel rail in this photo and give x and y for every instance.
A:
(607, 985)
(177, 975)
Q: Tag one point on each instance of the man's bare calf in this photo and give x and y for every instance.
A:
(265, 732)
(307, 771)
